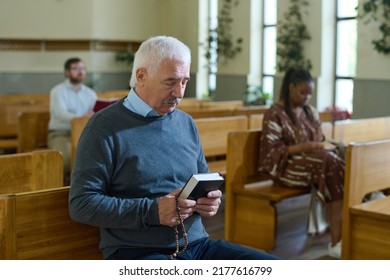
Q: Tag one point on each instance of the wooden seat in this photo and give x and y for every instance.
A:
(250, 213)
(213, 133)
(366, 225)
(36, 225)
(33, 131)
(31, 171)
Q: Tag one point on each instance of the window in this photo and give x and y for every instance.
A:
(269, 45)
(346, 48)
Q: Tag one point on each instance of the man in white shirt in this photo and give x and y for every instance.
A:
(69, 100)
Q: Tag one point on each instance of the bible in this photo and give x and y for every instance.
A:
(198, 185)
(103, 103)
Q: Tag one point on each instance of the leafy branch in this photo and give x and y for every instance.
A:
(292, 32)
(378, 10)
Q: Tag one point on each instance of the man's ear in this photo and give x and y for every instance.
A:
(141, 74)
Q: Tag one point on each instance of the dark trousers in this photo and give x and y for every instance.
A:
(204, 249)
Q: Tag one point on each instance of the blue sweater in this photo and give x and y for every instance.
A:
(124, 163)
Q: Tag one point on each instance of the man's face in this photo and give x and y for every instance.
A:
(77, 72)
(166, 88)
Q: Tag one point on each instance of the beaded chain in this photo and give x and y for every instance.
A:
(176, 231)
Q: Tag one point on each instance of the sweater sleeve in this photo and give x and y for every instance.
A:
(90, 201)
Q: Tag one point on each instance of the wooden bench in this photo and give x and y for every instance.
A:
(31, 171)
(250, 110)
(200, 114)
(366, 226)
(213, 133)
(9, 115)
(76, 128)
(362, 130)
(33, 131)
(222, 105)
(250, 213)
(37, 225)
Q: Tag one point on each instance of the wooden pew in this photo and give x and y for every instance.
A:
(250, 110)
(362, 130)
(33, 131)
(222, 105)
(325, 116)
(76, 127)
(31, 171)
(366, 226)
(250, 213)
(36, 225)
(256, 121)
(199, 114)
(213, 133)
(113, 94)
(9, 115)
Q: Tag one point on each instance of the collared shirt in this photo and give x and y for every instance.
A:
(135, 104)
(66, 103)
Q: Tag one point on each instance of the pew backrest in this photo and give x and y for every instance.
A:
(37, 225)
(213, 132)
(31, 171)
(362, 130)
(33, 131)
(367, 170)
(76, 128)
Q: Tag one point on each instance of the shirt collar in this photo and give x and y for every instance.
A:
(135, 104)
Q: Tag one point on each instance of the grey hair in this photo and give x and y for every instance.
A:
(154, 51)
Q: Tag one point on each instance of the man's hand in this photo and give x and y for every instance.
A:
(208, 206)
(167, 209)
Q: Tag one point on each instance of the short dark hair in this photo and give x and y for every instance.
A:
(71, 61)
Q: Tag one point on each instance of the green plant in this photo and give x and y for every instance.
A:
(378, 10)
(291, 34)
(220, 39)
(254, 95)
(127, 57)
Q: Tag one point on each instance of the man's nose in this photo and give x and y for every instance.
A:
(178, 91)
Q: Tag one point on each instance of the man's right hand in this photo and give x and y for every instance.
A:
(167, 209)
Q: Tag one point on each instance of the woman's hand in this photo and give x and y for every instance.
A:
(306, 147)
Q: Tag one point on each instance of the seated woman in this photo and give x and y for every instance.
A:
(293, 153)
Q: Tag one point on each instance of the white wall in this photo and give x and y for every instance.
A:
(370, 63)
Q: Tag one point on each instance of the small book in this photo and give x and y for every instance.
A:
(103, 103)
(198, 185)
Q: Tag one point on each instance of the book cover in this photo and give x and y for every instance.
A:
(103, 103)
(198, 185)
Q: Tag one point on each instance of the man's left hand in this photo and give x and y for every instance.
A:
(208, 206)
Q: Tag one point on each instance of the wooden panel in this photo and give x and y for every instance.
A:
(367, 170)
(256, 121)
(213, 133)
(20, 45)
(250, 110)
(199, 114)
(113, 94)
(42, 228)
(327, 130)
(30, 171)
(362, 130)
(68, 45)
(32, 131)
(250, 214)
(222, 105)
(7, 227)
(77, 126)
